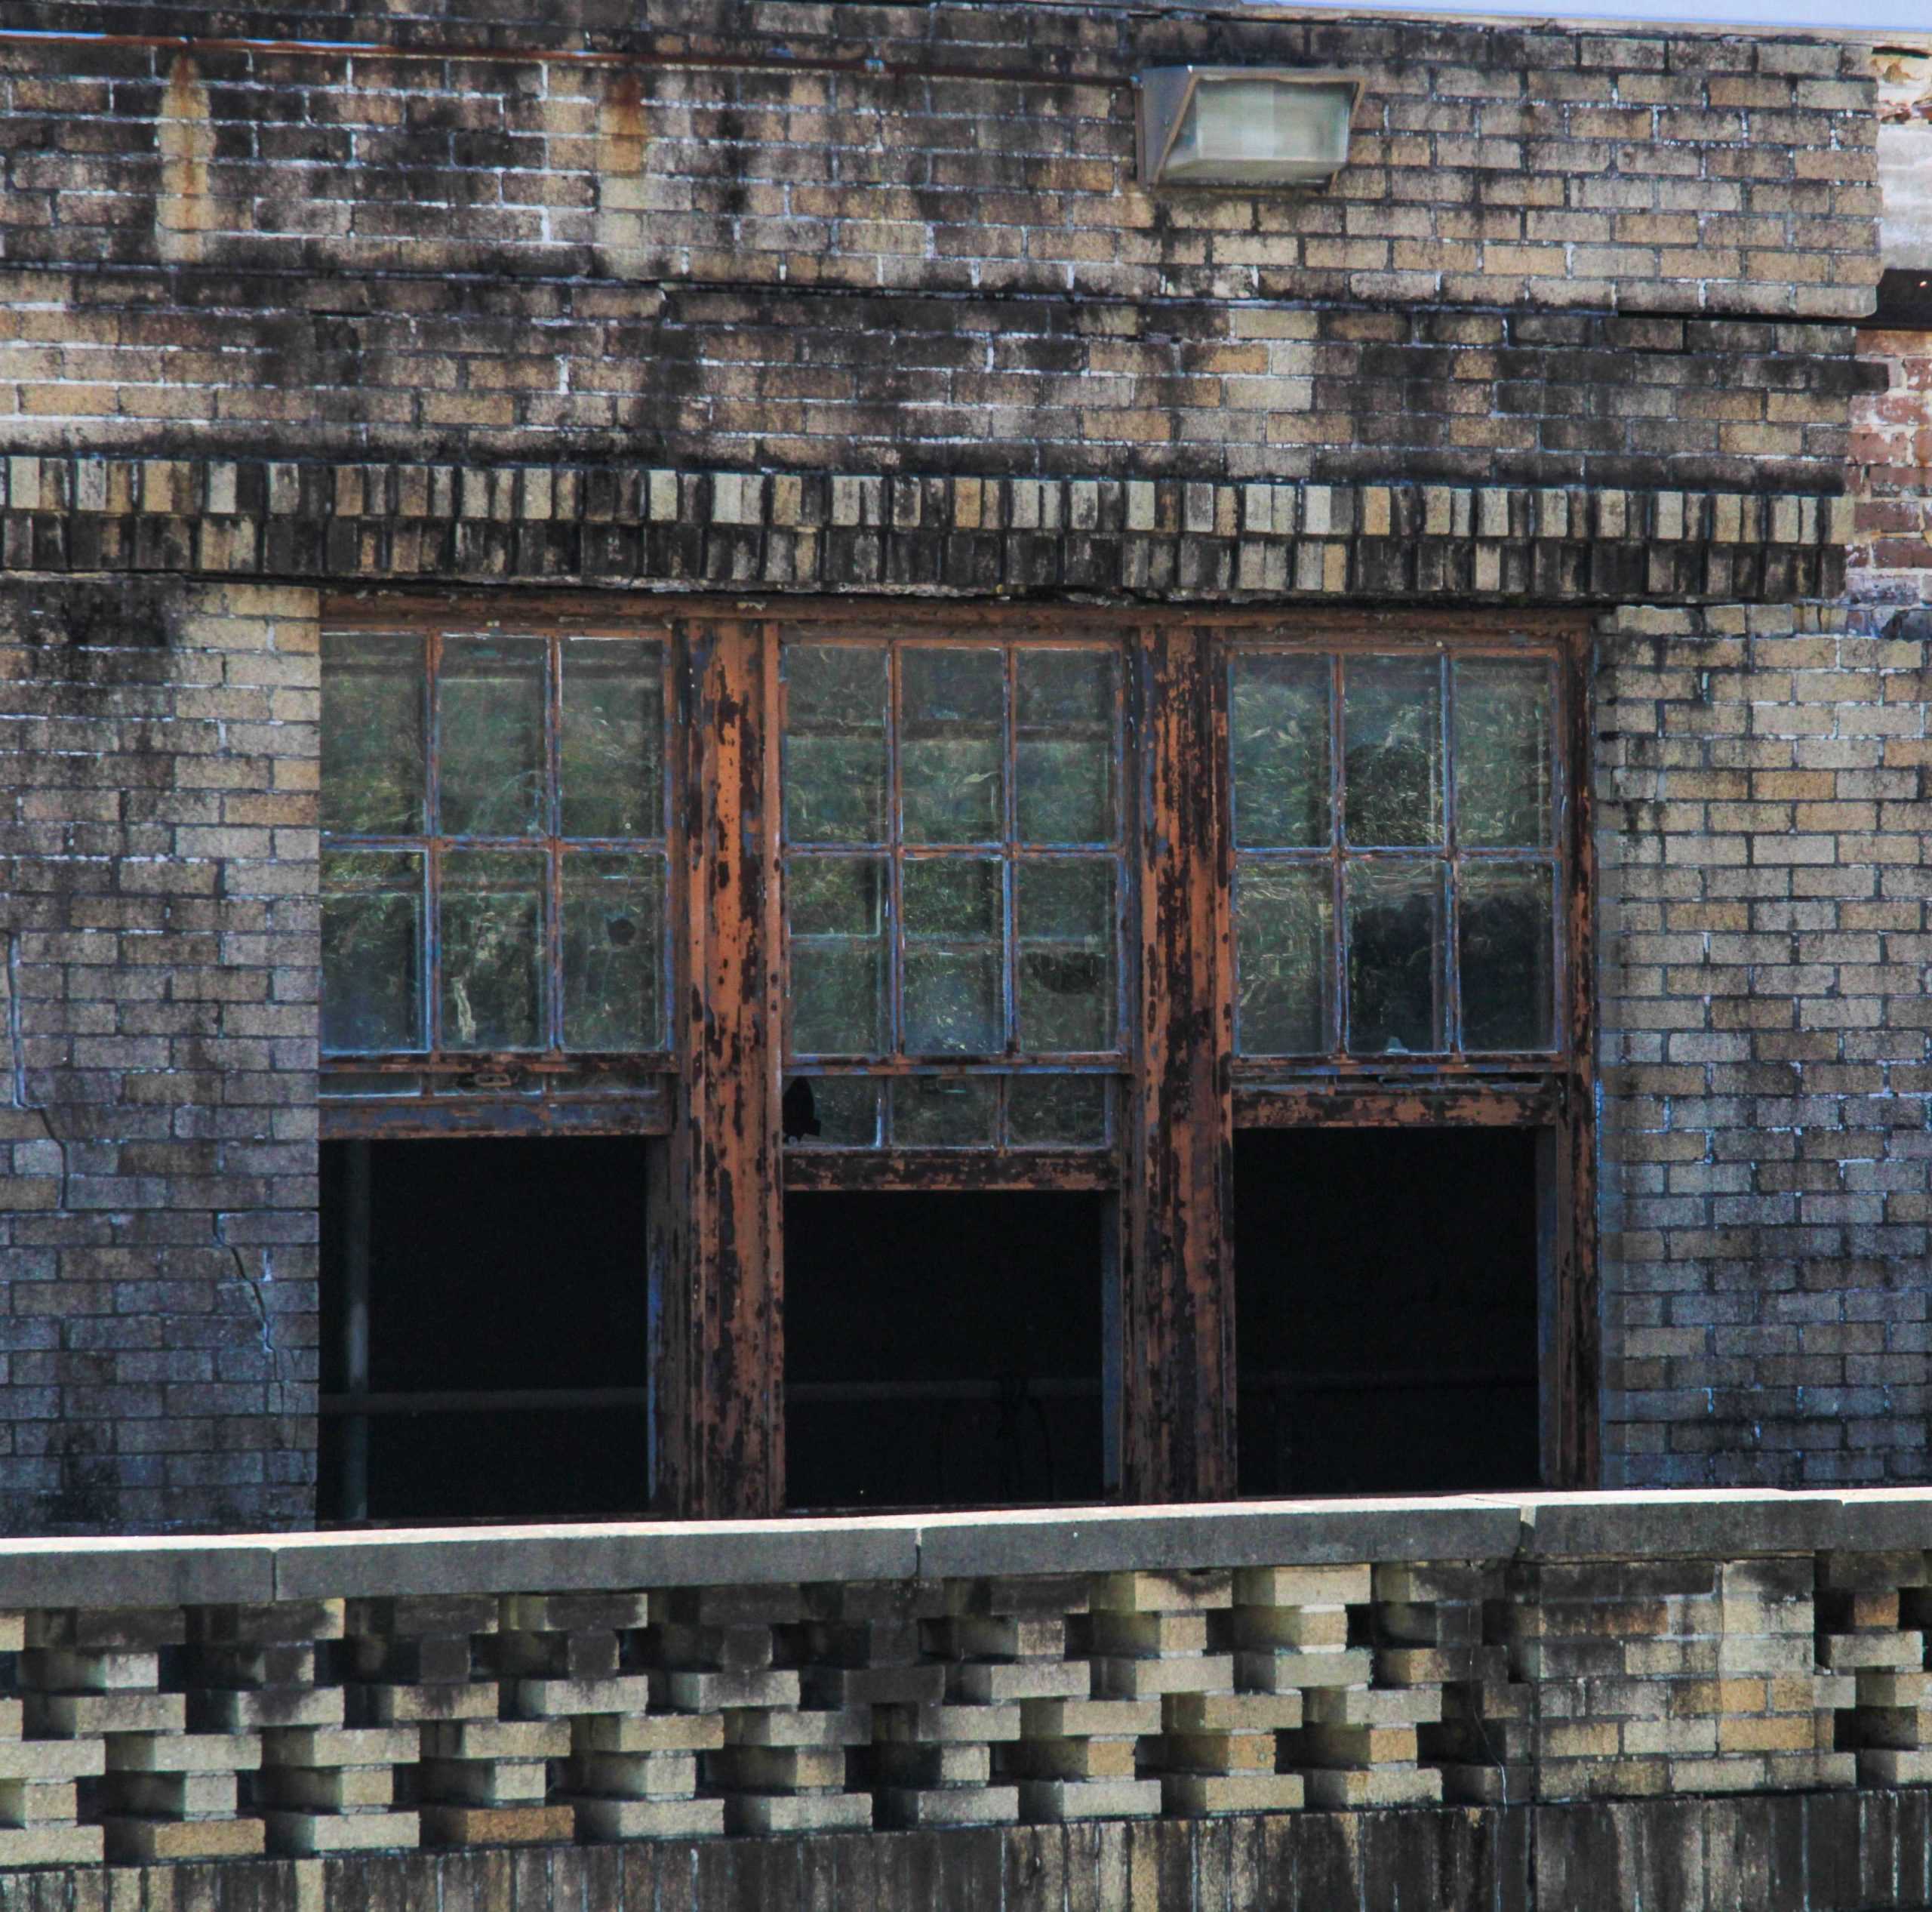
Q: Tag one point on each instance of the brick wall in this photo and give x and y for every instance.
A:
(1767, 1074)
(1890, 555)
(157, 915)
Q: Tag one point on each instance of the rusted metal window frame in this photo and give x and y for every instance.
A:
(1002, 1163)
(508, 1093)
(717, 1165)
(1552, 1094)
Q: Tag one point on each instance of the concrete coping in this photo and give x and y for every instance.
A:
(251, 1568)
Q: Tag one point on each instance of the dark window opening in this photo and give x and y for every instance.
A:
(1385, 1309)
(942, 1350)
(496, 1269)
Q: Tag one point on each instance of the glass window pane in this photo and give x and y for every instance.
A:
(943, 1112)
(1506, 954)
(1504, 772)
(1392, 718)
(1064, 918)
(372, 950)
(952, 744)
(492, 923)
(954, 956)
(832, 1112)
(1066, 717)
(1394, 922)
(491, 736)
(612, 757)
(1283, 966)
(1278, 724)
(372, 777)
(836, 908)
(614, 952)
(1057, 1111)
(835, 743)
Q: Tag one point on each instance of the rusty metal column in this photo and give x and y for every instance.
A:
(1178, 1267)
(716, 1255)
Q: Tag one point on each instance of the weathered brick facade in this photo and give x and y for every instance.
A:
(763, 298)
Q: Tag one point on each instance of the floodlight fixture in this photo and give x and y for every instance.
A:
(1243, 126)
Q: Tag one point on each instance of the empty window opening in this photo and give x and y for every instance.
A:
(1385, 1309)
(942, 1350)
(499, 1273)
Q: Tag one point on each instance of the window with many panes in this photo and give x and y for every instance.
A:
(494, 860)
(954, 885)
(1397, 825)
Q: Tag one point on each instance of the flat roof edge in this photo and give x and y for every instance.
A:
(250, 1569)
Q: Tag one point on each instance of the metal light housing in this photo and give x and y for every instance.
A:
(1243, 126)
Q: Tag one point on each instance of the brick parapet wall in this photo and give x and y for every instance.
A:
(969, 148)
(157, 1115)
(1762, 839)
(615, 1686)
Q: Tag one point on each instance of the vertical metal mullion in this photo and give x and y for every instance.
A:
(895, 925)
(433, 855)
(1452, 937)
(553, 819)
(1338, 795)
(1009, 882)
(1556, 844)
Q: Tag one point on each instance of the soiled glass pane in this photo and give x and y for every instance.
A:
(1394, 922)
(1391, 726)
(1277, 736)
(844, 1107)
(1064, 914)
(614, 952)
(1057, 1111)
(835, 743)
(372, 950)
(491, 736)
(953, 912)
(1504, 769)
(492, 924)
(943, 1112)
(1504, 920)
(1066, 715)
(612, 751)
(1284, 972)
(372, 733)
(952, 744)
(836, 912)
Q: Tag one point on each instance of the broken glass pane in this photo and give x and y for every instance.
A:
(1066, 707)
(835, 743)
(491, 736)
(1057, 1111)
(1392, 717)
(1278, 724)
(954, 914)
(1283, 970)
(1395, 925)
(372, 950)
(612, 744)
(845, 1109)
(372, 733)
(614, 952)
(943, 1112)
(1503, 753)
(1504, 914)
(952, 744)
(492, 923)
(836, 908)
(1064, 913)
